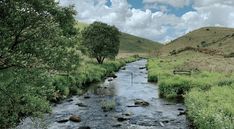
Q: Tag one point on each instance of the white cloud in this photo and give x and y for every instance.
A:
(174, 3)
(158, 26)
(200, 3)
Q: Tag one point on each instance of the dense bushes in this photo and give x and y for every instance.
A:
(23, 93)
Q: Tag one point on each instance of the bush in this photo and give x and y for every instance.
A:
(23, 93)
(174, 86)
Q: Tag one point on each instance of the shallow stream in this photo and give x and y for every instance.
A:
(136, 105)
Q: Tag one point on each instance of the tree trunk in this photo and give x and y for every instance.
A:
(100, 59)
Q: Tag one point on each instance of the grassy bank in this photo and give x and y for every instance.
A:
(88, 72)
(208, 93)
(30, 95)
(211, 109)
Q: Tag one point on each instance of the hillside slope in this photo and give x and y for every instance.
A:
(218, 38)
(132, 44)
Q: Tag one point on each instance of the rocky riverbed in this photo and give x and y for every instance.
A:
(127, 101)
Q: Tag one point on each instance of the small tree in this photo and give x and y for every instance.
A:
(101, 41)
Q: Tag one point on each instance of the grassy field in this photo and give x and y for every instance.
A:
(217, 38)
(209, 87)
(132, 45)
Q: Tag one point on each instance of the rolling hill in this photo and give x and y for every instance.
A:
(130, 44)
(210, 38)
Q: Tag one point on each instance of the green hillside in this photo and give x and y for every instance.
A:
(132, 44)
(215, 38)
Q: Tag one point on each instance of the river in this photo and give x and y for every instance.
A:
(136, 105)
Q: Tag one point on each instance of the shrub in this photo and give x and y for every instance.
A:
(23, 93)
(108, 105)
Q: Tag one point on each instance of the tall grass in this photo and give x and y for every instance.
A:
(211, 109)
(209, 96)
(88, 72)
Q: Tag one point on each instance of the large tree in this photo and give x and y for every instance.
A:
(37, 40)
(34, 31)
(101, 41)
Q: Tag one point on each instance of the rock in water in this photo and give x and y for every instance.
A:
(84, 127)
(86, 97)
(74, 118)
(142, 68)
(62, 121)
(116, 125)
(81, 105)
(140, 102)
(112, 75)
(122, 118)
(110, 79)
(123, 68)
(161, 124)
(69, 100)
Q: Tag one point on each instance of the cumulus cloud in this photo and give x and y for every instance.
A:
(160, 25)
(175, 3)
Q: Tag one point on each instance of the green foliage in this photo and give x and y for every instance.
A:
(62, 84)
(101, 41)
(171, 85)
(208, 95)
(108, 105)
(38, 41)
(212, 109)
(130, 43)
(23, 93)
(33, 32)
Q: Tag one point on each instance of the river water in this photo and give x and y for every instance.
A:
(121, 93)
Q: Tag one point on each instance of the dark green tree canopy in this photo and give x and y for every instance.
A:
(101, 41)
(35, 31)
(38, 41)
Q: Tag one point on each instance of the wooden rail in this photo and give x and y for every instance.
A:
(184, 72)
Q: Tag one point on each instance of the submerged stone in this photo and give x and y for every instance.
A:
(62, 121)
(84, 127)
(75, 118)
(140, 102)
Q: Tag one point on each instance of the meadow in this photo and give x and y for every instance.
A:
(207, 90)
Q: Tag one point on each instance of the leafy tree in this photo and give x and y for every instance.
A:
(31, 30)
(101, 41)
(37, 41)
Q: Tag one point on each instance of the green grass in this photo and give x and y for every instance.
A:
(211, 109)
(208, 94)
(89, 71)
(30, 95)
(108, 105)
(132, 44)
(170, 85)
(218, 38)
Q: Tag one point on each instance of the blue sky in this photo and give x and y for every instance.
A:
(158, 20)
(138, 4)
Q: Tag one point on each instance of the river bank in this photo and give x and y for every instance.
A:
(127, 101)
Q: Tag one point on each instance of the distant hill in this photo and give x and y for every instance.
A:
(130, 44)
(211, 38)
